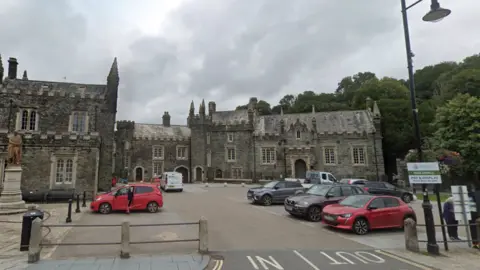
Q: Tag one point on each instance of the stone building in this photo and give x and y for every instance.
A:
(241, 144)
(67, 129)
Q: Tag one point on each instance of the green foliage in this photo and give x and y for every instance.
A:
(457, 127)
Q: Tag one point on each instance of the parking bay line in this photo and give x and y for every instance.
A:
(423, 267)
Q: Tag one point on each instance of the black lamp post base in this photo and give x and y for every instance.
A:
(433, 249)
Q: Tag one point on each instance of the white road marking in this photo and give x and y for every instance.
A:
(255, 266)
(403, 260)
(314, 267)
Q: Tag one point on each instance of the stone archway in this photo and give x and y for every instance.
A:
(198, 174)
(300, 169)
(138, 174)
(184, 171)
(218, 173)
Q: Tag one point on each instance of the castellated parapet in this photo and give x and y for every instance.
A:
(130, 125)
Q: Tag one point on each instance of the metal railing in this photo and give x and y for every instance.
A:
(36, 238)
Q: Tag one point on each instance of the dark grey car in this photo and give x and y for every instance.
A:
(274, 192)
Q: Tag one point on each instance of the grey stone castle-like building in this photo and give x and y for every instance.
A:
(67, 129)
(241, 144)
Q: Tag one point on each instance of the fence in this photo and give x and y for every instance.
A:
(412, 241)
(36, 238)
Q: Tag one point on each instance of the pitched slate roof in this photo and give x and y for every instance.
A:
(160, 131)
(230, 117)
(327, 122)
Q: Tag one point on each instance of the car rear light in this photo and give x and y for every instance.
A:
(365, 188)
(350, 182)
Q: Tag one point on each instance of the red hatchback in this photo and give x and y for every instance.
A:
(362, 213)
(146, 197)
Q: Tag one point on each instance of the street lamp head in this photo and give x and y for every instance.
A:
(436, 12)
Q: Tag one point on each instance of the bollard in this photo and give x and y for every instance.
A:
(125, 240)
(411, 236)
(69, 213)
(243, 184)
(77, 210)
(35, 240)
(225, 184)
(27, 221)
(84, 199)
(203, 235)
(206, 184)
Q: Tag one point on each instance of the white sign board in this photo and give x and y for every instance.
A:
(424, 173)
(458, 208)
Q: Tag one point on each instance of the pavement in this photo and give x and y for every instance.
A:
(241, 236)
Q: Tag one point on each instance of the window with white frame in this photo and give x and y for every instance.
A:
(299, 135)
(79, 122)
(64, 171)
(237, 173)
(358, 154)
(208, 138)
(269, 155)
(231, 154)
(182, 152)
(329, 156)
(157, 168)
(157, 152)
(230, 137)
(27, 120)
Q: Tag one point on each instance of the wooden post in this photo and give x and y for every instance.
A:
(411, 235)
(125, 241)
(203, 235)
(35, 240)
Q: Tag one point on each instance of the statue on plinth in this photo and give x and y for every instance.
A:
(15, 149)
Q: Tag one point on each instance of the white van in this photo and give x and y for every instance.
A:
(171, 181)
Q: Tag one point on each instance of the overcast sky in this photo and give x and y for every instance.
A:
(173, 51)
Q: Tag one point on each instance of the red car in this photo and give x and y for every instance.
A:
(146, 197)
(362, 213)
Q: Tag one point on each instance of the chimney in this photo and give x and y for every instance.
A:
(212, 107)
(12, 68)
(166, 119)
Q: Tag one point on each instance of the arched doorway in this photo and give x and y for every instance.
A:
(218, 173)
(300, 169)
(184, 172)
(198, 174)
(138, 174)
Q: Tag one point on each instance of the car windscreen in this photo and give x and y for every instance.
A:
(174, 177)
(356, 201)
(320, 190)
(270, 184)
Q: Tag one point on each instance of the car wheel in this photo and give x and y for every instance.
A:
(407, 198)
(105, 208)
(267, 200)
(314, 213)
(360, 226)
(152, 207)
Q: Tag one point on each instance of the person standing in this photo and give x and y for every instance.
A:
(449, 216)
(129, 198)
(114, 180)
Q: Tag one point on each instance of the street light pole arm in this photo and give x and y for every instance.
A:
(412, 5)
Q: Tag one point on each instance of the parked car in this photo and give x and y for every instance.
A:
(316, 177)
(353, 181)
(171, 181)
(274, 192)
(362, 213)
(384, 188)
(310, 204)
(146, 197)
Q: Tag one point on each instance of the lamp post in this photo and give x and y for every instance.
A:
(435, 14)
(283, 143)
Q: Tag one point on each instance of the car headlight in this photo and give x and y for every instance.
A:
(346, 215)
(303, 203)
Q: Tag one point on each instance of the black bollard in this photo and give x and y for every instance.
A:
(69, 214)
(84, 203)
(78, 204)
(27, 227)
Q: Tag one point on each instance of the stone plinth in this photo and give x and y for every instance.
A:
(11, 198)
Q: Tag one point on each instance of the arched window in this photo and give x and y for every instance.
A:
(299, 134)
(33, 120)
(24, 120)
(60, 175)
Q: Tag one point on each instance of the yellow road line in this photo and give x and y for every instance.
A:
(423, 267)
(218, 265)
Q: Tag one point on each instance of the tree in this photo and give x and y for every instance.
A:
(348, 86)
(466, 81)
(263, 107)
(425, 78)
(458, 129)
(386, 88)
